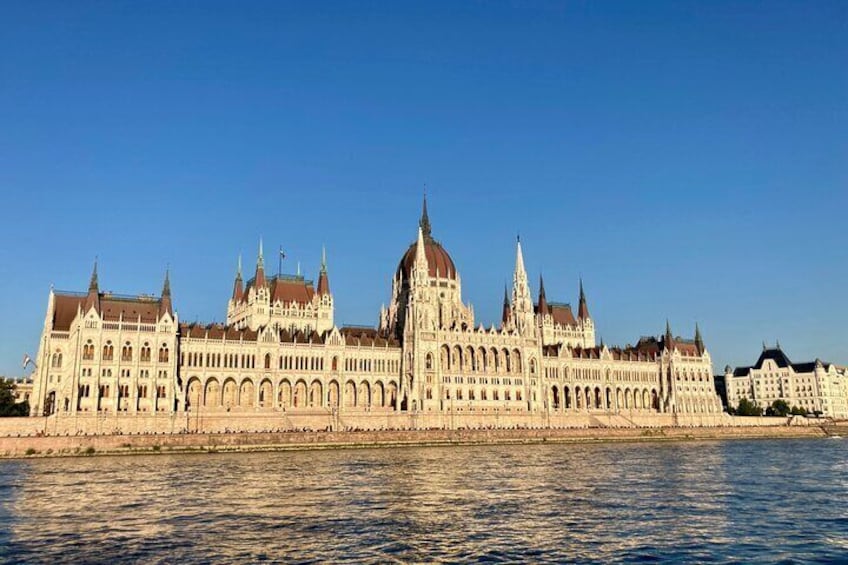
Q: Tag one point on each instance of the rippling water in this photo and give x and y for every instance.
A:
(742, 501)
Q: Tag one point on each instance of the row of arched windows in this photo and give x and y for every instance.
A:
(108, 352)
(471, 359)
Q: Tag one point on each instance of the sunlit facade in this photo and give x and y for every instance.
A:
(280, 352)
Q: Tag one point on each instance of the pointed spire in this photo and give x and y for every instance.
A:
(421, 266)
(424, 223)
(582, 307)
(543, 302)
(506, 309)
(93, 284)
(323, 279)
(259, 278)
(166, 286)
(165, 301)
(238, 285)
(669, 339)
(699, 341)
(522, 303)
(93, 298)
(777, 344)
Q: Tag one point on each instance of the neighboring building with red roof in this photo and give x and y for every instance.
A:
(279, 353)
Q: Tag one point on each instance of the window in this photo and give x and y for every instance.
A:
(108, 351)
(126, 352)
(88, 351)
(145, 353)
(163, 354)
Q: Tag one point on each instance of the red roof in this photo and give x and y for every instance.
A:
(437, 260)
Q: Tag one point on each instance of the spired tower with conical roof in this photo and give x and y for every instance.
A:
(426, 281)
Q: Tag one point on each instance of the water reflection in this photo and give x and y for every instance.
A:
(698, 502)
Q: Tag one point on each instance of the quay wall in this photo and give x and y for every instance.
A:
(227, 422)
(122, 434)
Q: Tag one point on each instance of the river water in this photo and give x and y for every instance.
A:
(735, 501)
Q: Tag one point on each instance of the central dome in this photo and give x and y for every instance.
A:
(439, 263)
(438, 260)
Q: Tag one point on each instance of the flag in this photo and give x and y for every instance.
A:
(27, 360)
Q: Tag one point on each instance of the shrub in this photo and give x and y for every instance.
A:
(89, 450)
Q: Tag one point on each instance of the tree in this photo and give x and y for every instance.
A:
(8, 406)
(748, 408)
(778, 408)
(798, 411)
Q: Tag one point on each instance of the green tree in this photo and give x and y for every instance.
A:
(778, 408)
(8, 406)
(795, 411)
(748, 408)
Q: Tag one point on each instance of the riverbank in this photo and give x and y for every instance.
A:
(59, 446)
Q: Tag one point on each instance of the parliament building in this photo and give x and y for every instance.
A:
(281, 361)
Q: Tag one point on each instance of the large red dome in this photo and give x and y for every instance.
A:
(437, 260)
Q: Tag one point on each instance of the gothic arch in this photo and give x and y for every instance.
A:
(211, 393)
(284, 396)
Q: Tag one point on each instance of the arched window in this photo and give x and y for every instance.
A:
(267, 360)
(88, 351)
(126, 352)
(145, 353)
(108, 351)
(163, 353)
(429, 361)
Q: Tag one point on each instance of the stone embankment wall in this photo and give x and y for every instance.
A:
(281, 441)
(224, 422)
(119, 433)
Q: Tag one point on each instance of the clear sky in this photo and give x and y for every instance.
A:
(689, 160)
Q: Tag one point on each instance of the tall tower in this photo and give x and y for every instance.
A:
(522, 303)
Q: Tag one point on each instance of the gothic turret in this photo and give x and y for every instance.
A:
(259, 279)
(238, 285)
(668, 340)
(506, 308)
(424, 222)
(542, 307)
(699, 342)
(323, 280)
(582, 308)
(165, 306)
(93, 298)
(522, 304)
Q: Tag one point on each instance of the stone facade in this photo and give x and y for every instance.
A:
(816, 386)
(280, 354)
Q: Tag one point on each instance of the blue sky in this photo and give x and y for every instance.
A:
(687, 159)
